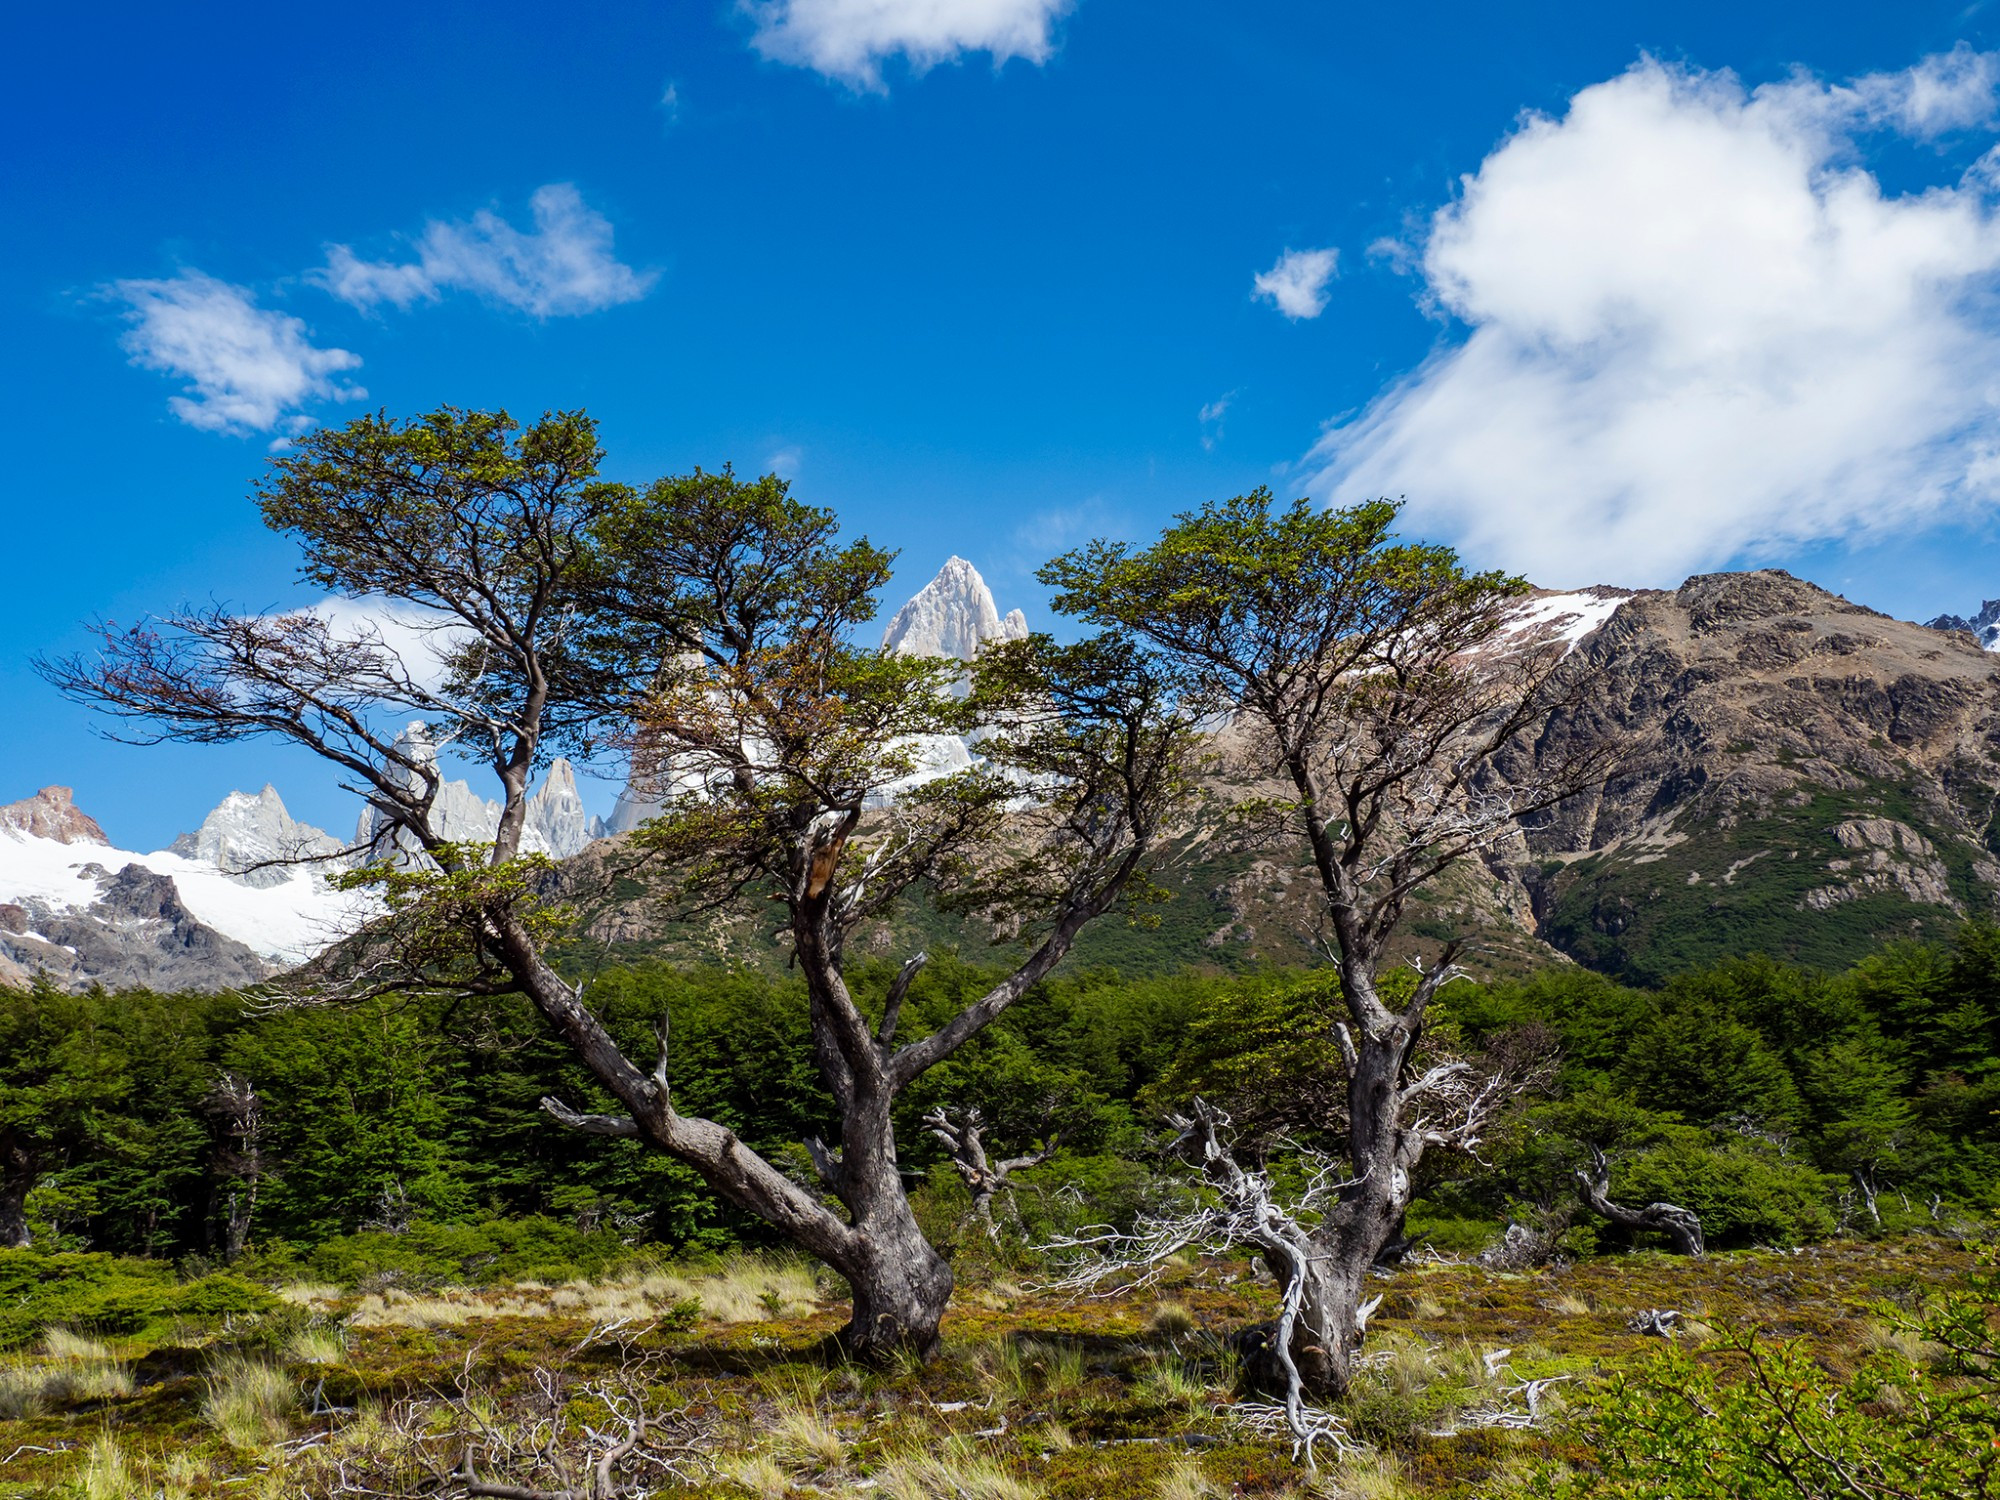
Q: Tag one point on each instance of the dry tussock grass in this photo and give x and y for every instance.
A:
(71, 1370)
(950, 1473)
(249, 1403)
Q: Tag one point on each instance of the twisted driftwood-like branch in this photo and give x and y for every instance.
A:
(1241, 1211)
(963, 1135)
(1681, 1225)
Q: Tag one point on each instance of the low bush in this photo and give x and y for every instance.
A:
(106, 1294)
(529, 1249)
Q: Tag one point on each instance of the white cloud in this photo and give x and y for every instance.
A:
(849, 40)
(786, 462)
(1695, 330)
(421, 640)
(1212, 414)
(247, 368)
(563, 266)
(1296, 285)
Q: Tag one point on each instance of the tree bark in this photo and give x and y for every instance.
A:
(17, 1179)
(900, 1286)
(1680, 1225)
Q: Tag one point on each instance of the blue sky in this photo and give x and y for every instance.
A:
(1612, 293)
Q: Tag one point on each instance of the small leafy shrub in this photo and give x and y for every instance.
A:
(104, 1294)
(429, 1254)
(1744, 1196)
(1748, 1418)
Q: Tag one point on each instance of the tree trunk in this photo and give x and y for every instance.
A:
(17, 1177)
(14, 1217)
(900, 1286)
(1681, 1225)
(1370, 1213)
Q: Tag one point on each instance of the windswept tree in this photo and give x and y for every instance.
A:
(1370, 686)
(783, 753)
(710, 622)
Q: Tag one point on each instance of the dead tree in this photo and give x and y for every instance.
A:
(1373, 690)
(963, 1136)
(716, 621)
(234, 1105)
(1680, 1225)
(1240, 1209)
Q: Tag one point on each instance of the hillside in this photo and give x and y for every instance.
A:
(1803, 777)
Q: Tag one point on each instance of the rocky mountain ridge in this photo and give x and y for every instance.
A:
(1985, 625)
(1800, 776)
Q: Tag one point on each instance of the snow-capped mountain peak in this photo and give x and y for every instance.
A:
(253, 839)
(952, 615)
(1985, 624)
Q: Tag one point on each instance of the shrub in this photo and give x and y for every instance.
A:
(534, 1248)
(105, 1294)
(1747, 1418)
(1744, 1196)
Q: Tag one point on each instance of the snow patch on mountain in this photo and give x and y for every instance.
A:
(1567, 617)
(284, 921)
(1985, 624)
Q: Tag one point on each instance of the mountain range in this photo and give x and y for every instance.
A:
(1799, 775)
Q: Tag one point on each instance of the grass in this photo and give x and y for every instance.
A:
(951, 1473)
(249, 1402)
(1125, 1398)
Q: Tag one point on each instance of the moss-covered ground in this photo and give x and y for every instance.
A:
(384, 1390)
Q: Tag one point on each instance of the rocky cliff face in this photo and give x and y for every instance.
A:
(136, 934)
(1801, 776)
(52, 814)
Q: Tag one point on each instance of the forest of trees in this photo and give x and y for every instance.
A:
(1780, 1103)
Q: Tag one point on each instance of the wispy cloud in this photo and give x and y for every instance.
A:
(1042, 534)
(785, 462)
(1296, 285)
(849, 40)
(248, 368)
(562, 267)
(1211, 420)
(1693, 329)
(670, 105)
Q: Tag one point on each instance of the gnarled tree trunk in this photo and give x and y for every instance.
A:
(17, 1179)
(1680, 1225)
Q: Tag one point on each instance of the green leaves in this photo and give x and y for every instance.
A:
(1746, 1417)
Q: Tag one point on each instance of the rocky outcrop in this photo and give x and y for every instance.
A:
(254, 840)
(1799, 776)
(52, 813)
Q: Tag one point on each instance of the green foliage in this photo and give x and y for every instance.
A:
(1745, 1193)
(111, 1295)
(532, 1248)
(103, 1136)
(1749, 1418)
